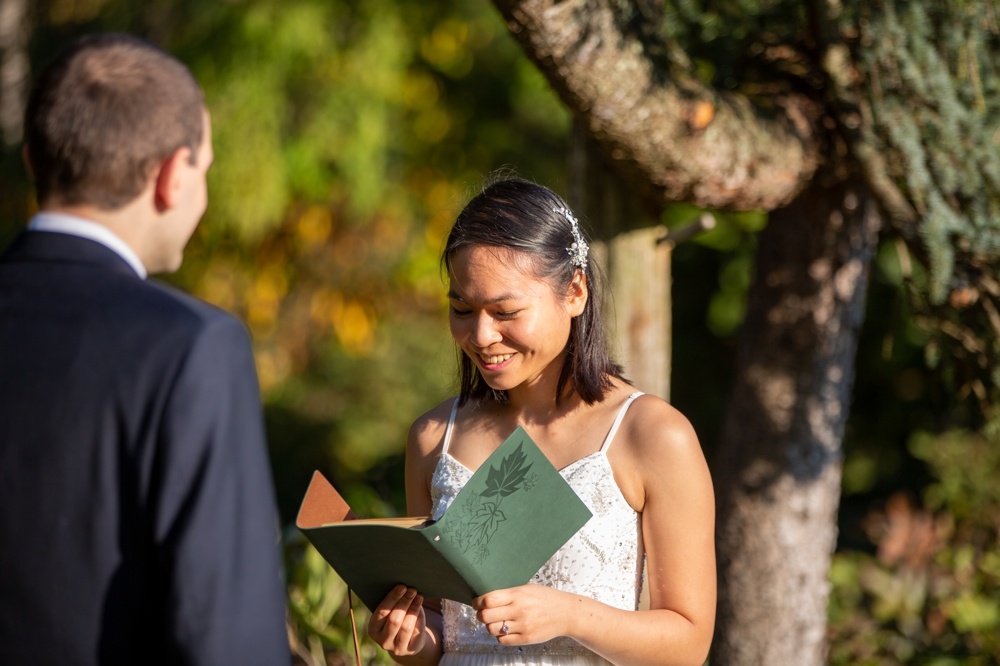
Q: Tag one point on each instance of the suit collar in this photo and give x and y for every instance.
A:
(54, 247)
(86, 228)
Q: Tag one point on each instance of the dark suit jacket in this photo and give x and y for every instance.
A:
(137, 513)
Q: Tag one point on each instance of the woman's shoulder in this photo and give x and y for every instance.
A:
(427, 432)
(656, 446)
(654, 431)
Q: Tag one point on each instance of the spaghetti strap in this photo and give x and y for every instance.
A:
(618, 421)
(451, 427)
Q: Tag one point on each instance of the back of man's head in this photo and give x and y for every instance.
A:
(103, 115)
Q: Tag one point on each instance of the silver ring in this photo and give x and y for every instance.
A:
(504, 630)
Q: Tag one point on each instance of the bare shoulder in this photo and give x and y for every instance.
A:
(426, 435)
(657, 428)
(424, 443)
(658, 443)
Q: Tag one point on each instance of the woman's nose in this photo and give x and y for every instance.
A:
(484, 331)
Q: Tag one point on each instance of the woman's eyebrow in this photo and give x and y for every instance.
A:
(509, 296)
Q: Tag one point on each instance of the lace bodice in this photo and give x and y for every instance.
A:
(602, 561)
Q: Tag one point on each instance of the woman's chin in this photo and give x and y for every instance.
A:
(496, 382)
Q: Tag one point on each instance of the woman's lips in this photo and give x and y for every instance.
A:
(494, 361)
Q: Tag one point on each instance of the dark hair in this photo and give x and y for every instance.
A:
(519, 215)
(105, 113)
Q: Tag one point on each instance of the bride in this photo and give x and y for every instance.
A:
(524, 313)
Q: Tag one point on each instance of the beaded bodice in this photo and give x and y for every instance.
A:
(602, 561)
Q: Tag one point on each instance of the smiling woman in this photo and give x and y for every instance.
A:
(511, 325)
(530, 233)
(524, 314)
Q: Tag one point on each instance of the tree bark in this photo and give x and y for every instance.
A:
(14, 68)
(668, 133)
(778, 466)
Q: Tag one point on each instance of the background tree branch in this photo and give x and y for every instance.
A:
(686, 140)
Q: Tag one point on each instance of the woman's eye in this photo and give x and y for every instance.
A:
(507, 315)
(458, 312)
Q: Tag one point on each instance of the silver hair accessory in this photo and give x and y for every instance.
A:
(579, 249)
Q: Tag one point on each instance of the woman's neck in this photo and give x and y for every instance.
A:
(538, 406)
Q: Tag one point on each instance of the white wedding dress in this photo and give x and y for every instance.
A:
(602, 561)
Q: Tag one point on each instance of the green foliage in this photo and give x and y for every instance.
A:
(738, 44)
(933, 74)
(342, 155)
(734, 236)
(931, 594)
(924, 78)
(347, 135)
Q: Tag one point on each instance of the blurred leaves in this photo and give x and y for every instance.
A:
(318, 607)
(347, 136)
(931, 593)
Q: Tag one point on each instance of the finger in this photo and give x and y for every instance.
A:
(491, 616)
(498, 628)
(393, 620)
(418, 628)
(503, 631)
(408, 625)
(382, 611)
(493, 599)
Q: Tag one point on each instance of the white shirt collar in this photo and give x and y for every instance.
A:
(78, 226)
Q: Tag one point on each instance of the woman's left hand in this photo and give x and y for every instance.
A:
(526, 614)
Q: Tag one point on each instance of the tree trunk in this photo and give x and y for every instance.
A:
(778, 467)
(14, 68)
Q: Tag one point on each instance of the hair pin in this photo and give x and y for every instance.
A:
(579, 250)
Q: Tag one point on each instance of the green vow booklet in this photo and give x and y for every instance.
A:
(514, 513)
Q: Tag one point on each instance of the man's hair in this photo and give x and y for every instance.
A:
(103, 115)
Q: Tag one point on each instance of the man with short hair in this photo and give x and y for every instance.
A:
(137, 515)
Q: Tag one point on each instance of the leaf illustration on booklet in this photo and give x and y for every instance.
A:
(480, 515)
(514, 513)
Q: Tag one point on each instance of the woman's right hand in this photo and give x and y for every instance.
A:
(399, 623)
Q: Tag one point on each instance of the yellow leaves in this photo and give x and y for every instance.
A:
(217, 284)
(274, 366)
(442, 199)
(264, 298)
(352, 321)
(313, 227)
(419, 90)
(432, 125)
(447, 47)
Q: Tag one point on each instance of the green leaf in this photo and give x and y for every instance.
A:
(506, 480)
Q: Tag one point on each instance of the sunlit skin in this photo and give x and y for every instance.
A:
(510, 323)
(515, 326)
(180, 197)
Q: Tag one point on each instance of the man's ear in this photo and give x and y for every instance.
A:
(168, 181)
(577, 294)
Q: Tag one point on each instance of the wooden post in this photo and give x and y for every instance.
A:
(638, 314)
(636, 266)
